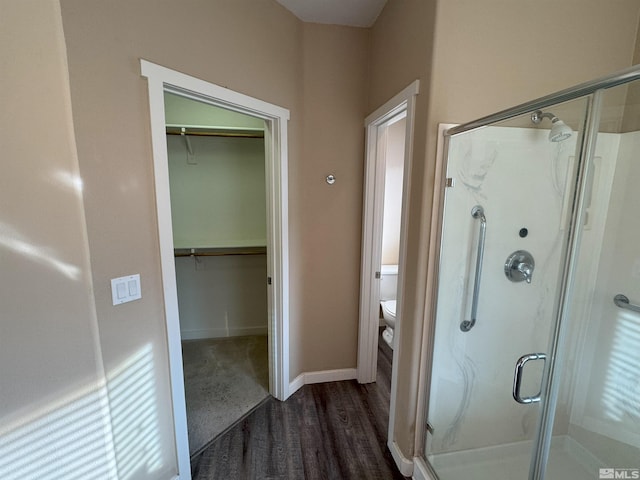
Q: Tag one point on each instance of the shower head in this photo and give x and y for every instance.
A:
(559, 130)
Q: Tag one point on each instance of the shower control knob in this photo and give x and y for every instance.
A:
(519, 266)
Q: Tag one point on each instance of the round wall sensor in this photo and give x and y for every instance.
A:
(331, 179)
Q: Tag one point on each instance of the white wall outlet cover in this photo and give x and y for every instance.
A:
(126, 289)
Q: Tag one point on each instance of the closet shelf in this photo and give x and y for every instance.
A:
(218, 251)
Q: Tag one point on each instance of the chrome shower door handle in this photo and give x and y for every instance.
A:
(517, 378)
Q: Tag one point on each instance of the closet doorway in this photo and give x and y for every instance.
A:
(161, 81)
(219, 216)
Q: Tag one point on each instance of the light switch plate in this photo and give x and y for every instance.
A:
(125, 289)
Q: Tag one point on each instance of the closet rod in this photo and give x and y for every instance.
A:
(218, 252)
(216, 133)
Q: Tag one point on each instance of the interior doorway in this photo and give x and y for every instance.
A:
(218, 209)
(398, 112)
(162, 80)
(389, 134)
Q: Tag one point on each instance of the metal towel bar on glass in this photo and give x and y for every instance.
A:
(623, 302)
(476, 212)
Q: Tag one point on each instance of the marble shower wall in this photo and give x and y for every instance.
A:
(519, 177)
(605, 408)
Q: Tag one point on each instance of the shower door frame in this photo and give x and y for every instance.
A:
(592, 91)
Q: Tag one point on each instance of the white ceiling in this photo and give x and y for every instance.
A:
(356, 13)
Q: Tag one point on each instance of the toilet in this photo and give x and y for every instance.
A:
(389, 315)
(388, 292)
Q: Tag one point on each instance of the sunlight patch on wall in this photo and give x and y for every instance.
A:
(134, 415)
(69, 181)
(621, 395)
(70, 441)
(74, 438)
(14, 241)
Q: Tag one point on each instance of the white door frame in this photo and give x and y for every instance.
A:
(161, 80)
(402, 103)
(376, 124)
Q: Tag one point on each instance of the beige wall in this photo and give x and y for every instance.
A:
(526, 51)
(631, 118)
(401, 49)
(51, 376)
(256, 48)
(490, 55)
(40, 195)
(334, 89)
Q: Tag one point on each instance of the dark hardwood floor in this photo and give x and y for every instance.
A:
(331, 431)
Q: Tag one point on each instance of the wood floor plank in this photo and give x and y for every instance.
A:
(328, 431)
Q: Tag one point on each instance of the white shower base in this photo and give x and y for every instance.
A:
(568, 460)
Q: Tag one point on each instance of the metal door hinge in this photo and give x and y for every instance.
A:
(268, 280)
(430, 428)
(450, 182)
(377, 274)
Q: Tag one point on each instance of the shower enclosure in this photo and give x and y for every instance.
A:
(535, 368)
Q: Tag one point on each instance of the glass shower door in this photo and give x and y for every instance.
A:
(505, 231)
(596, 432)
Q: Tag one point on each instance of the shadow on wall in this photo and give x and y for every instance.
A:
(74, 439)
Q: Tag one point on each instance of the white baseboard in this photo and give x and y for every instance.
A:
(403, 463)
(330, 375)
(307, 378)
(296, 384)
(198, 334)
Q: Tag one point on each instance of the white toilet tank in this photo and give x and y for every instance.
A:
(388, 282)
